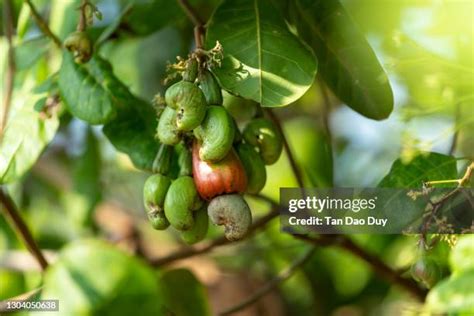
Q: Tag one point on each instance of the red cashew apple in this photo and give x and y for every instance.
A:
(216, 178)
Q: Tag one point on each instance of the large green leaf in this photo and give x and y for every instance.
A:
(346, 61)
(183, 294)
(148, 16)
(25, 136)
(91, 91)
(402, 211)
(93, 278)
(133, 132)
(263, 60)
(425, 167)
(454, 295)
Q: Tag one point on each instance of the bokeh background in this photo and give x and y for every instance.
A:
(82, 187)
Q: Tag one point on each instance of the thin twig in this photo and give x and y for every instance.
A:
(379, 267)
(294, 166)
(196, 20)
(206, 247)
(10, 75)
(326, 107)
(42, 24)
(81, 24)
(21, 228)
(457, 115)
(268, 287)
(190, 12)
(435, 206)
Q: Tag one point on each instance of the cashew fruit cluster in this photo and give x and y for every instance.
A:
(215, 163)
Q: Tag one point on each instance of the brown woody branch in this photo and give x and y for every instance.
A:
(378, 266)
(294, 166)
(196, 20)
(268, 287)
(21, 228)
(42, 24)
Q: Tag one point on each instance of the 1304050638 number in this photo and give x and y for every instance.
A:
(41, 305)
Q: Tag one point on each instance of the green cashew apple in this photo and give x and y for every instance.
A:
(167, 130)
(189, 102)
(158, 220)
(191, 71)
(426, 271)
(199, 230)
(180, 202)
(185, 161)
(216, 134)
(264, 135)
(254, 168)
(154, 193)
(210, 88)
(80, 45)
(162, 161)
(233, 213)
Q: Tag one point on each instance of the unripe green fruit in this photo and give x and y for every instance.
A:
(154, 193)
(199, 230)
(191, 71)
(185, 161)
(180, 202)
(162, 161)
(216, 134)
(189, 102)
(80, 45)
(210, 88)
(426, 271)
(158, 220)
(233, 213)
(240, 109)
(254, 168)
(264, 135)
(167, 130)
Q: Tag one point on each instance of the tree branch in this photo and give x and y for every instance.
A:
(282, 276)
(21, 228)
(42, 24)
(196, 20)
(379, 267)
(294, 166)
(208, 246)
(457, 115)
(10, 75)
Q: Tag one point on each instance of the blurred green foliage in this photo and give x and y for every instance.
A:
(425, 48)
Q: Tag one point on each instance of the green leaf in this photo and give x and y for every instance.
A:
(91, 277)
(91, 91)
(133, 132)
(148, 16)
(347, 63)
(462, 255)
(23, 21)
(183, 294)
(26, 135)
(454, 295)
(263, 60)
(425, 167)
